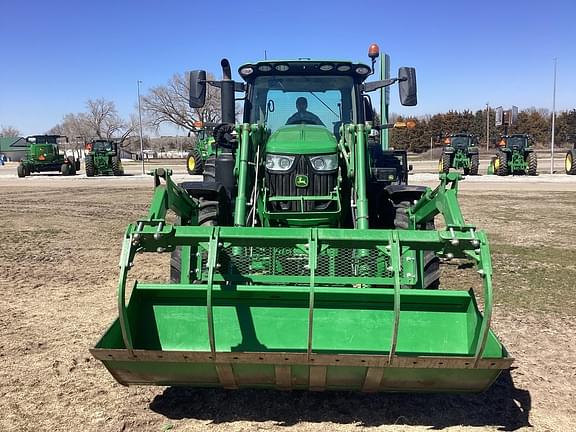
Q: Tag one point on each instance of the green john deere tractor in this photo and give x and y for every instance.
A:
(43, 154)
(306, 262)
(460, 152)
(198, 157)
(515, 156)
(570, 161)
(103, 158)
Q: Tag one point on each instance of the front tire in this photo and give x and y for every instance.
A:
(194, 162)
(474, 163)
(208, 215)
(117, 167)
(89, 166)
(444, 164)
(501, 164)
(21, 170)
(431, 262)
(210, 169)
(569, 164)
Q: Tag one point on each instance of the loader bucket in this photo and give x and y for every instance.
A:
(311, 308)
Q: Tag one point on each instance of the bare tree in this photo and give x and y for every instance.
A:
(103, 118)
(9, 131)
(169, 104)
(100, 121)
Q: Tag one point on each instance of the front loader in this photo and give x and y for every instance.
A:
(460, 152)
(306, 261)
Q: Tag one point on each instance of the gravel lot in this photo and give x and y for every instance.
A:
(60, 242)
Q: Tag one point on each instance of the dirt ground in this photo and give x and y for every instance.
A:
(60, 241)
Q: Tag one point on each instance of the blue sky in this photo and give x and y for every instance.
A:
(54, 55)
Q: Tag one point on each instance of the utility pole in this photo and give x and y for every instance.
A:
(140, 116)
(553, 121)
(487, 125)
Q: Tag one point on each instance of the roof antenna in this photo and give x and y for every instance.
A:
(265, 55)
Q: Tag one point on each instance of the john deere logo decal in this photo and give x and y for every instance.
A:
(301, 181)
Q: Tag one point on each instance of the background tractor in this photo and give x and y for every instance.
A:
(305, 261)
(514, 155)
(103, 158)
(44, 154)
(198, 156)
(460, 152)
(570, 161)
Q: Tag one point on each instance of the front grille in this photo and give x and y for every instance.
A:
(284, 184)
(285, 261)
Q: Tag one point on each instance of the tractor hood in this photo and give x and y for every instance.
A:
(302, 139)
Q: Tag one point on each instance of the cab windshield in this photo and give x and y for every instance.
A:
(517, 141)
(102, 146)
(460, 141)
(320, 100)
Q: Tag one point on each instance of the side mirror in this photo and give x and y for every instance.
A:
(407, 87)
(197, 95)
(410, 167)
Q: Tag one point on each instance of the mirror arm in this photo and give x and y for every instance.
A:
(375, 85)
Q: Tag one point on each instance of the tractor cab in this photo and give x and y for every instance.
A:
(461, 141)
(44, 147)
(516, 142)
(303, 106)
(103, 146)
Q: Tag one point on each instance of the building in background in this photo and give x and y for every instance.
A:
(13, 148)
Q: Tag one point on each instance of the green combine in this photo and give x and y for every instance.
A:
(307, 262)
(44, 154)
(515, 156)
(201, 157)
(103, 158)
(570, 161)
(460, 152)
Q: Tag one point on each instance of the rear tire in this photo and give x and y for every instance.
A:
(89, 166)
(431, 261)
(117, 167)
(501, 164)
(194, 162)
(21, 171)
(569, 164)
(474, 163)
(532, 164)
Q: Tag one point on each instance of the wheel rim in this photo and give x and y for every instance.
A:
(497, 163)
(568, 162)
(191, 163)
(440, 166)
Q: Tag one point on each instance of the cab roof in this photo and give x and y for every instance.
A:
(358, 71)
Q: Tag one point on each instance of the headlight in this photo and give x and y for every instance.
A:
(324, 162)
(279, 162)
